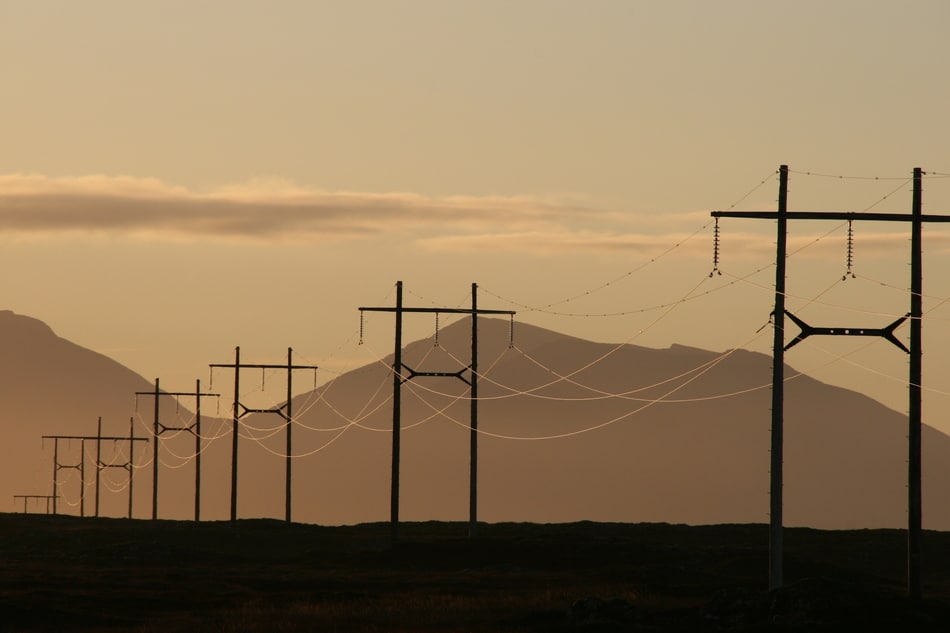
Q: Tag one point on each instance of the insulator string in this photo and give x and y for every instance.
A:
(715, 269)
(850, 252)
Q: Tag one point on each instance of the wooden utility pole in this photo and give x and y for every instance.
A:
(915, 415)
(398, 369)
(25, 498)
(916, 219)
(473, 423)
(776, 541)
(81, 466)
(285, 411)
(194, 428)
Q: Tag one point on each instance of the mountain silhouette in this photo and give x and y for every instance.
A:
(571, 430)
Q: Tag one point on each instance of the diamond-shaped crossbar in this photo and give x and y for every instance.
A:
(808, 330)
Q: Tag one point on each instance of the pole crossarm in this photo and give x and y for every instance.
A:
(277, 410)
(808, 330)
(438, 310)
(262, 366)
(437, 374)
(831, 215)
(95, 437)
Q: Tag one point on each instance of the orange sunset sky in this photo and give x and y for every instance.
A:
(181, 177)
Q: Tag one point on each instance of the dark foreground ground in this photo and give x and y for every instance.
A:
(61, 573)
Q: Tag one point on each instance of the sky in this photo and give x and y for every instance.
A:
(178, 178)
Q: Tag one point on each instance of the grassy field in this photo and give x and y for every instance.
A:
(62, 573)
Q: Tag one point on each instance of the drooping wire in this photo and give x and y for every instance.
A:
(843, 177)
(548, 308)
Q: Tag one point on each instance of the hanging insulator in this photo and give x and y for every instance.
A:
(511, 331)
(436, 339)
(361, 328)
(715, 269)
(850, 253)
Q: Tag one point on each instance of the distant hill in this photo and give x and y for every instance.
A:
(674, 447)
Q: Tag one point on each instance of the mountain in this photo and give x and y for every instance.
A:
(687, 441)
(676, 448)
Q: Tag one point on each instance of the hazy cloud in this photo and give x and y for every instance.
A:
(259, 210)
(276, 210)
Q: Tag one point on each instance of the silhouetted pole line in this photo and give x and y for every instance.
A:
(81, 466)
(47, 498)
(285, 411)
(915, 379)
(194, 428)
(399, 378)
(127, 465)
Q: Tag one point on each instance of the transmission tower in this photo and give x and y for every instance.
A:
(26, 498)
(81, 466)
(194, 428)
(285, 411)
(128, 465)
(399, 378)
(914, 498)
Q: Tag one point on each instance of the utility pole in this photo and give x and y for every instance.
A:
(285, 411)
(776, 540)
(399, 367)
(57, 466)
(26, 498)
(194, 428)
(916, 218)
(128, 466)
(81, 466)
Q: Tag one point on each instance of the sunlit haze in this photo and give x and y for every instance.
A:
(180, 178)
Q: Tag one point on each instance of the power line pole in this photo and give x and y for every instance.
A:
(399, 367)
(57, 466)
(285, 411)
(128, 466)
(81, 466)
(26, 498)
(776, 547)
(194, 428)
(914, 503)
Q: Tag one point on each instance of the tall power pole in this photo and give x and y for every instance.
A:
(194, 428)
(285, 411)
(128, 465)
(916, 218)
(81, 466)
(399, 368)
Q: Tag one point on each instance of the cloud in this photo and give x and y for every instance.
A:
(259, 210)
(275, 210)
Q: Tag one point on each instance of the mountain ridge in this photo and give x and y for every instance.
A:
(569, 430)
